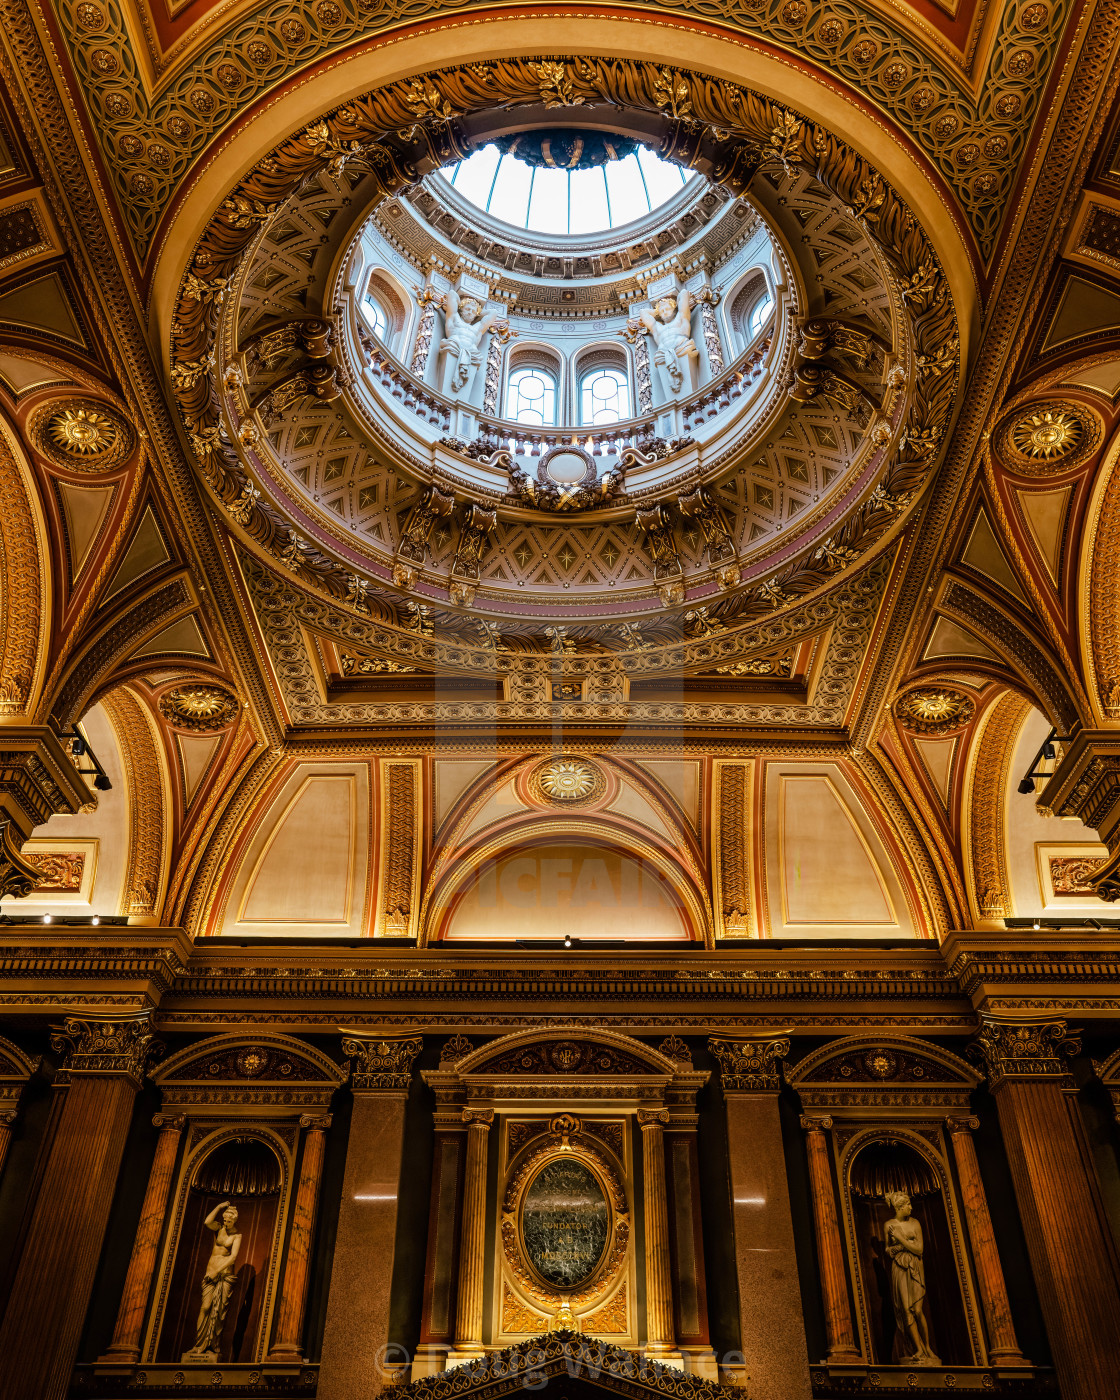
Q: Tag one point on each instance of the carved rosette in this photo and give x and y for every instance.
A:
(109, 1046)
(749, 1064)
(1050, 436)
(202, 708)
(1024, 1050)
(933, 710)
(82, 435)
(377, 1064)
(567, 780)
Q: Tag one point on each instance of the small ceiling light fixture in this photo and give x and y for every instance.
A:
(1026, 785)
(567, 940)
(96, 919)
(47, 918)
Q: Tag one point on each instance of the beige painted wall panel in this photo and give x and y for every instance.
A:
(108, 826)
(630, 803)
(503, 803)
(681, 780)
(452, 778)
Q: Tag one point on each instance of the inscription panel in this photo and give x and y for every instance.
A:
(565, 1220)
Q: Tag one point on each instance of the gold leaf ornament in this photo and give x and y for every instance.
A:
(672, 93)
(425, 101)
(557, 87)
(81, 435)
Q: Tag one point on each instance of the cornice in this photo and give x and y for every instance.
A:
(920, 988)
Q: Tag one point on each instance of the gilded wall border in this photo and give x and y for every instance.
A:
(25, 584)
(1098, 604)
(983, 817)
(974, 139)
(149, 806)
(401, 808)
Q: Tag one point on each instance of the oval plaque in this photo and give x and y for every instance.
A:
(564, 1223)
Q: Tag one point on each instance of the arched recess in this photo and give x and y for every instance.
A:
(148, 785)
(534, 355)
(585, 875)
(381, 284)
(1099, 599)
(25, 582)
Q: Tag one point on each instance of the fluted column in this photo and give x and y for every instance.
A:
(472, 1236)
(1072, 1251)
(7, 1121)
(356, 1328)
(771, 1318)
(659, 1289)
(1003, 1346)
(105, 1062)
(842, 1349)
(287, 1343)
(125, 1346)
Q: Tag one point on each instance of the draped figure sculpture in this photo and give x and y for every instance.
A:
(906, 1249)
(670, 325)
(217, 1283)
(464, 326)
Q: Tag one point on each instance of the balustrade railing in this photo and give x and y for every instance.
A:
(608, 441)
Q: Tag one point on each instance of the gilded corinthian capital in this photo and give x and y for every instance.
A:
(111, 1045)
(379, 1063)
(1023, 1049)
(749, 1064)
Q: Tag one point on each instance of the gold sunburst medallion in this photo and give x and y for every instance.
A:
(199, 707)
(1049, 436)
(567, 780)
(81, 434)
(933, 710)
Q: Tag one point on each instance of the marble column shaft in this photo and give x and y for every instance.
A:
(1069, 1240)
(125, 1346)
(842, 1348)
(1003, 1346)
(42, 1326)
(356, 1328)
(287, 1344)
(472, 1238)
(659, 1288)
(771, 1319)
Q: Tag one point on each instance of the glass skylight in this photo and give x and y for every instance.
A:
(566, 201)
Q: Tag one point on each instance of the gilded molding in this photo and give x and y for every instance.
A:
(984, 820)
(148, 808)
(23, 587)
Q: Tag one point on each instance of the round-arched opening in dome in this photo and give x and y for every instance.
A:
(560, 199)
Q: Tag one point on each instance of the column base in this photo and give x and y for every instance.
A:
(464, 1357)
(1004, 1359)
(702, 1364)
(666, 1358)
(285, 1356)
(430, 1360)
(844, 1358)
(119, 1356)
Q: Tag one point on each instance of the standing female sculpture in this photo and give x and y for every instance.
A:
(905, 1248)
(217, 1283)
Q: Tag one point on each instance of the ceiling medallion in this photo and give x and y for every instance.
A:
(1048, 437)
(205, 707)
(81, 434)
(567, 782)
(933, 710)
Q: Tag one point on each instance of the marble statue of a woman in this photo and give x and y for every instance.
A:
(905, 1247)
(670, 325)
(464, 326)
(217, 1283)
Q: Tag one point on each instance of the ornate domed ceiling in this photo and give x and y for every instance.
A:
(796, 450)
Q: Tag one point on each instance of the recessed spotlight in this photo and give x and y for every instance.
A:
(96, 919)
(47, 918)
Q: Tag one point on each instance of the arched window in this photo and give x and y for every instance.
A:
(760, 314)
(376, 318)
(531, 397)
(604, 396)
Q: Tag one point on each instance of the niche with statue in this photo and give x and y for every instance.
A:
(907, 1257)
(221, 1275)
